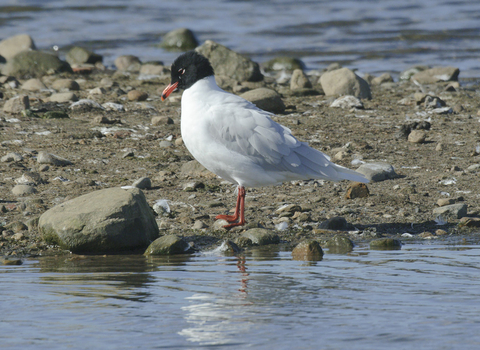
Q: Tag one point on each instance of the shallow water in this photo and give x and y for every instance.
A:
(371, 35)
(424, 296)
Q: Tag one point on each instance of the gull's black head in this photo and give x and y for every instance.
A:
(187, 70)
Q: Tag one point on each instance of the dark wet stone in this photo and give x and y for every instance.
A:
(337, 223)
(308, 250)
(11, 261)
(385, 244)
(339, 245)
(168, 245)
(261, 236)
(243, 241)
(54, 115)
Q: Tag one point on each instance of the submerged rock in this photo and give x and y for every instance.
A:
(339, 245)
(385, 244)
(108, 220)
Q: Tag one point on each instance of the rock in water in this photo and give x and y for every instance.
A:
(167, 245)
(35, 64)
(308, 250)
(229, 63)
(108, 220)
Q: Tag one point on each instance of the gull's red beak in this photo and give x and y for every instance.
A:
(168, 90)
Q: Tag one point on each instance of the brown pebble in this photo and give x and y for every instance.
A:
(135, 95)
(441, 232)
(445, 201)
(357, 190)
(417, 136)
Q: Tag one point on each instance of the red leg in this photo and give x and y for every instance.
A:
(239, 218)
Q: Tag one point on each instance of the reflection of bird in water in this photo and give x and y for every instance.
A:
(242, 268)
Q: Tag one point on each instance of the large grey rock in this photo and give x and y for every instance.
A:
(378, 171)
(436, 74)
(229, 63)
(108, 220)
(266, 99)
(179, 39)
(452, 211)
(168, 245)
(13, 45)
(16, 104)
(339, 245)
(63, 97)
(79, 55)
(35, 64)
(344, 81)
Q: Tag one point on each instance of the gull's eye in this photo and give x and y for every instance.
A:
(181, 71)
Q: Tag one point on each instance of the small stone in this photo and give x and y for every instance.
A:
(48, 158)
(417, 136)
(445, 201)
(261, 236)
(23, 190)
(143, 183)
(426, 235)
(193, 186)
(199, 224)
(384, 78)
(377, 171)
(385, 244)
(154, 69)
(33, 84)
(452, 211)
(111, 106)
(357, 190)
(441, 232)
(16, 104)
(347, 102)
(439, 147)
(299, 80)
(290, 208)
(469, 222)
(17, 227)
(308, 250)
(168, 245)
(11, 261)
(65, 84)
(162, 120)
(135, 95)
(337, 223)
(165, 144)
(12, 157)
(283, 63)
(63, 97)
(178, 141)
(128, 63)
